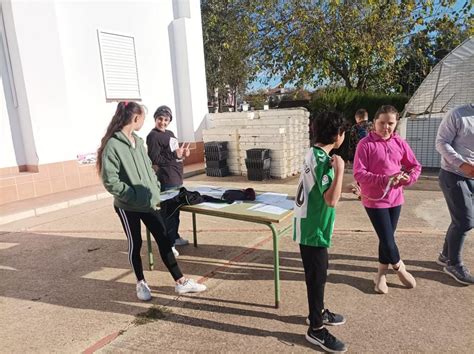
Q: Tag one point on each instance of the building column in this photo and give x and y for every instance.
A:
(189, 76)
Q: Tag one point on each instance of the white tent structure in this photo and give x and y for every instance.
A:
(449, 84)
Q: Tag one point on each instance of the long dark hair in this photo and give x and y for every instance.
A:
(123, 116)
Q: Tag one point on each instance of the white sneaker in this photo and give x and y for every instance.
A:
(181, 242)
(175, 251)
(189, 286)
(143, 291)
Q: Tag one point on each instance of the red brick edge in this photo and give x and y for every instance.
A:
(101, 343)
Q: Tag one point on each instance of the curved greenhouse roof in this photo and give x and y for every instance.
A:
(449, 84)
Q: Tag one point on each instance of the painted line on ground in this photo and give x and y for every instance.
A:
(101, 343)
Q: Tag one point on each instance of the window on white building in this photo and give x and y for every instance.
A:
(119, 66)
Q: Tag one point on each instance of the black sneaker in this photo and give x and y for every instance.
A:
(460, 273)
(442, 260)
(325, 340)
(330, 319)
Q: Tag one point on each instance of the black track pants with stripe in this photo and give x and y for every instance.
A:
(154, 222)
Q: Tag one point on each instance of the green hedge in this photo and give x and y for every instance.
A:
(349, 101)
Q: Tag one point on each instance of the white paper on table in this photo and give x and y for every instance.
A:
(287, 204)
(271, 198)
(214, 205)
(259, 205)
(270, 209)
(168, 195)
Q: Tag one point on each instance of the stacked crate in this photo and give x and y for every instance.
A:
(225, 127)
(216, 154)
(230, 136)
(284, 132)
(258, 163)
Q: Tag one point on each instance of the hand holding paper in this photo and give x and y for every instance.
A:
(174, 144)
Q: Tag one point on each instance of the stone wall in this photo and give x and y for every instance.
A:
(284, 131)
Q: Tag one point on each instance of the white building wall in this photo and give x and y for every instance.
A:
(43, 73)
(198, 70)
(7, 155)
(21, 130)
(58, 63)
(147, 23)
(189, 69)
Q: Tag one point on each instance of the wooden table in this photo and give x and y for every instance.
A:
(241, 212)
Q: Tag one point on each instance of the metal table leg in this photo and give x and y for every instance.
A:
(276, 258)
(276, 265)
(194, 230)
(151, 262)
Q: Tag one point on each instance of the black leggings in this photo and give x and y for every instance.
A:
(154, 222)
(385, 222)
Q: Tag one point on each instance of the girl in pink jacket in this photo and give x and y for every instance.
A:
(383, 164)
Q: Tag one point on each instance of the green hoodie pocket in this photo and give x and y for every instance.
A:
(142, 197)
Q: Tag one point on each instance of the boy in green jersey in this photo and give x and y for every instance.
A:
(318, 192)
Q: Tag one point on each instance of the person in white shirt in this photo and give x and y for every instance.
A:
(455, 143)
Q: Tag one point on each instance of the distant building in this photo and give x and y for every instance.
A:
(279, 97)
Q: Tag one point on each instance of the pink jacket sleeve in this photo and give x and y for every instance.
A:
(411, 164)
(360, 168)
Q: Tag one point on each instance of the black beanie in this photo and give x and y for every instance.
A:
(163, 111)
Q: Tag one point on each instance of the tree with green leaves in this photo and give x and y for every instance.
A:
(227, 31)
(357, 43)
(256, 99)
(429, 46)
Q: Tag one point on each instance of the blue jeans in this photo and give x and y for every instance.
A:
(384, 221)
(172, 221)
(459, 194)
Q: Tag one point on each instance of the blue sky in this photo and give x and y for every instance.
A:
(274, 81)
(256, 85)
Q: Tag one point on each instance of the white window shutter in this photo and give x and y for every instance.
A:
(119, 66)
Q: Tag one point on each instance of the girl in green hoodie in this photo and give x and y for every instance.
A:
(126, 172)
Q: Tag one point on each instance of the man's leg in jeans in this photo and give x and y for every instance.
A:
(458, 192)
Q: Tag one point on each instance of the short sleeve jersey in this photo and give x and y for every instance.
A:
(313, 222)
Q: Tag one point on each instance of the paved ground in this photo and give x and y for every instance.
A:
(66, 285)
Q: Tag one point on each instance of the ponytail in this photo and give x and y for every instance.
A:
(123, 116)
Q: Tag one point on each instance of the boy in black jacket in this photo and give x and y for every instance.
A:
(167, 158)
